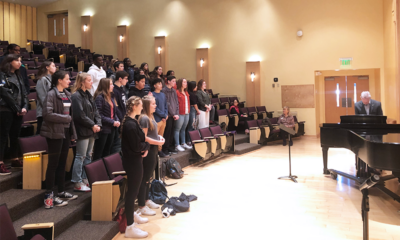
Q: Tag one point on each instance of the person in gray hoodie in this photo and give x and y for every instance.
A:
(97, 72)
(43, 85)
(173, 114)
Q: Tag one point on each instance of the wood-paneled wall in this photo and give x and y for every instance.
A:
(17, 23)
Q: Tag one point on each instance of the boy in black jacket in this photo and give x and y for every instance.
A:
(121, 78)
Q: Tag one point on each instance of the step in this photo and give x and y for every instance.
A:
(87, 230)
(241, 138)
(22, 202)
(11, 181)
(63, 217)
(246, 147)
(182, 157)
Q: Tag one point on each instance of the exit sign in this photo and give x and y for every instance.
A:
(345, 61)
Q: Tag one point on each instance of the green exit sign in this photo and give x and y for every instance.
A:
(345, 61)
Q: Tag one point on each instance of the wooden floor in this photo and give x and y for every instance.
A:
(240, 197)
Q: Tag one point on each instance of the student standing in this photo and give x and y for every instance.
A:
(59, 130)
(161, 113)
(206, 109)
(181, 123)
(109, 120)
(87, 123)
(118, 66)
(120, 100)
(138, 89)
(97, 72)
(173, 114)
(13, 105)
(134, 148)
(194, 110)
(149, 126)
(43, 85)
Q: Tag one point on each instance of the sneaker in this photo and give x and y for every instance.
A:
(86, 182)
(81, 187)
(4, 170)
(189, 144)
(133, 231)
(179, 148)
(67, 196)
(59, 203)
(152, 204)
(138, 219)
(16, 164)
(186, 146)
(161, 154)
(146, 211)
(173, 151)
(48, 200)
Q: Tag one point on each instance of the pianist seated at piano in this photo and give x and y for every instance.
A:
(287, 120)
(367, 105)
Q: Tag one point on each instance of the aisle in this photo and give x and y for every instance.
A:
(240, 197)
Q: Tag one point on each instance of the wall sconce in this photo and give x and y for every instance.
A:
(121, 37)
(159, 50)
(28, 43)
(252, 76)
(85, 27)
(201, 62)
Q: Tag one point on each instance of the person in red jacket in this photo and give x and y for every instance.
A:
(184, 110)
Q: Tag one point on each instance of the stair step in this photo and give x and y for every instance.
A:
(86, 230)
(63, 217)
(21, 202)
(246, 147)
(182, 157)
(241, 138)
(11, 181)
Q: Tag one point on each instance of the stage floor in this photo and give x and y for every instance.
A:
(240, 197)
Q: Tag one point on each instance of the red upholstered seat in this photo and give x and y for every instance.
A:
(113, 163)
(35, 143)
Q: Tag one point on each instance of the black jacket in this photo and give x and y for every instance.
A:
(24, 74)
(105, 113)
(133, 91)
(85, 114)
(132, 140)
(375, 108)
(120, 98)
(7, 98)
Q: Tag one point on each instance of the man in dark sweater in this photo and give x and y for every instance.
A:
(138, 89)
(173, 114)
(120, 99)
(161, 113)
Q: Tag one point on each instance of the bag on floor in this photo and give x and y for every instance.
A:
(158, 193)
(121, 219)
(173, 169)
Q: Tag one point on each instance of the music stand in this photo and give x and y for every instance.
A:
(290, 132)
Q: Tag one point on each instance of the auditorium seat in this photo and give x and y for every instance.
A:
(7, 231)
(262, 110)
(113, 165)
(32, 97)
(200, 146)
(108, 57)
(34, 151)
(105, 191)
(255, 132)
(215, 102)
(299, 127)
(253, 112)
(30, 118)
(266, 134)
(232, 99)
(231, 120)
(31, 64)
(227, 138)
(213, 95)
(4, 43)
(224, 102)
(215, 143)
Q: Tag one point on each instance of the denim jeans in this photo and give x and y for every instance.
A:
(192, 117)
(180, 129)
(83, 157)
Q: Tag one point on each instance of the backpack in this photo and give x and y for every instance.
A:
(171, 168)
(158, 193)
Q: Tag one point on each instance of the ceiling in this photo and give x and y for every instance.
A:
(32, 3)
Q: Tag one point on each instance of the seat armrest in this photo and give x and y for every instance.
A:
(103, 182)
(122, 173)
(37, 226)
(262, 112)
(197, 141)
(302, 122)
(271, 112)
(253, 128)
(208, 137)
(232, 115)
(219, 134)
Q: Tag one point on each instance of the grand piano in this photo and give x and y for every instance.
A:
(376, 145)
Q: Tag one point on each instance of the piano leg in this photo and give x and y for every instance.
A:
(364, 213)
(325, 157)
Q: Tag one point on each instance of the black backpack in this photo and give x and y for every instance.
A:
(171, 168)
(158, 193)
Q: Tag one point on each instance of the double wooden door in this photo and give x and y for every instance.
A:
(58, 28)
(340, 95)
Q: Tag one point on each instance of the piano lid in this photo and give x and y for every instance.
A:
(363, 118)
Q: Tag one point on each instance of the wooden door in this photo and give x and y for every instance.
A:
(335, 91)
(357, 85)
(58, 28)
